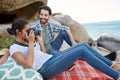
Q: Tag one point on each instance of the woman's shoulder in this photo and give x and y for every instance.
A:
(15, 47)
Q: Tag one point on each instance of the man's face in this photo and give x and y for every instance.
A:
(44, 16)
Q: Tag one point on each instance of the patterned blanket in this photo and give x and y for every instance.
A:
(82, 71)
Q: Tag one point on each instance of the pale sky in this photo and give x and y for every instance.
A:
(84, 11)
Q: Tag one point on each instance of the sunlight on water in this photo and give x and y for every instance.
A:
(96, 29)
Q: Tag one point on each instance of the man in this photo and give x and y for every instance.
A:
(48, 28)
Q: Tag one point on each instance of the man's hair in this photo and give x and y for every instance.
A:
(45, 8)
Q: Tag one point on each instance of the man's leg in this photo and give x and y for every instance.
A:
(57, 43)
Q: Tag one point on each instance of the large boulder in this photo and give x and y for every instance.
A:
(78, 31)
(109, 41)
(10, 9)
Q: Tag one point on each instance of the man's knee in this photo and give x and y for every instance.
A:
(63, 32)
(83, 44)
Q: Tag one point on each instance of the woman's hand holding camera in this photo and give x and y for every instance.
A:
(31, 36)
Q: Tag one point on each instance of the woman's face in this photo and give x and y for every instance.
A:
(24, 32)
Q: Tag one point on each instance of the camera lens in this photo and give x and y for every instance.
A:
(37, 32)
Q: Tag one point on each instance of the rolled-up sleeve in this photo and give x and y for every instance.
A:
(57, 27)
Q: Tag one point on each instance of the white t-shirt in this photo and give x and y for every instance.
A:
(39, 57)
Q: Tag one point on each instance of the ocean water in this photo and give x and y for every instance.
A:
(95, 30)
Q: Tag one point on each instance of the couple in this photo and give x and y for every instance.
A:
(42, 54)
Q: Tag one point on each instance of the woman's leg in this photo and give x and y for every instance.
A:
(94, 52)
(62, 61)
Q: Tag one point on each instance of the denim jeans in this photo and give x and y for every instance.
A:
(57, 43)
(64, 59)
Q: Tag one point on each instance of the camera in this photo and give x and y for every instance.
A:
(37, 31)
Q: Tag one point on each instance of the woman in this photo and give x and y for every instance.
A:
(30, 52)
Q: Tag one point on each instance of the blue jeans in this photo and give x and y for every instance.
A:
(57, 43)
(63, 60)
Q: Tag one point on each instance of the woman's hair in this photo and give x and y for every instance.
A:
(45, 8)
(17, 24)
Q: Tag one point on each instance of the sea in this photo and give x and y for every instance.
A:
(96, 29)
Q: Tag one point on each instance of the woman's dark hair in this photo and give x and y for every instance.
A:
(45, 8)
(17, 24)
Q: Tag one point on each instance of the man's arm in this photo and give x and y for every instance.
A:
(71, 37)
(40, 40)
(57, 28)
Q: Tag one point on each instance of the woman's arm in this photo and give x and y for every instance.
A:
(25, 61)
(28, 60)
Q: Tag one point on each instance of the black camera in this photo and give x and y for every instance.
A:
(37, 31)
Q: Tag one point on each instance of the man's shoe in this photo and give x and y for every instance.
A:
(112, 56)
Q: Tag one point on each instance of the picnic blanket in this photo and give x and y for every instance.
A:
(82, 71)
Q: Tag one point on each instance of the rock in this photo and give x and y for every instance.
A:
(3, 27)
(118, 56)
(10, 9)
(78, 31)
(109, 41)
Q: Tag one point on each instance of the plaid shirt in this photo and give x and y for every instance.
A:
(52, 27)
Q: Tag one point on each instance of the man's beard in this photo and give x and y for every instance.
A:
(43, 21)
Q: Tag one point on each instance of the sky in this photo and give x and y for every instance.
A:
(85, 11)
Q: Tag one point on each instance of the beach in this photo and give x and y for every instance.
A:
(96, 29)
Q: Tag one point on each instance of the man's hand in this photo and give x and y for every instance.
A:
(39, 37)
